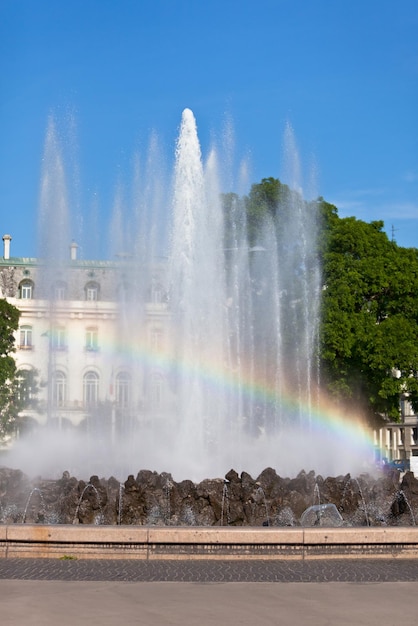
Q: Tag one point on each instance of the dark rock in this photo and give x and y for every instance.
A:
(237, 500)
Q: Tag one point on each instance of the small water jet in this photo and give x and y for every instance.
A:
(167, 488)
(363, 501)
(321, 515)
(225, 505)
(41, 512)
(120, 503)
(316, 495)
(402, 505)
(98, 518)
(260, 491)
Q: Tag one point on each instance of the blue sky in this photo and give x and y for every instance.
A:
(344, 73)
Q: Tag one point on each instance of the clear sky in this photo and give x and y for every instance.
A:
(344, 73)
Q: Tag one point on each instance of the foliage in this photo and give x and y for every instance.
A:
(9, 320)
(264, 198)
(370, 317)
(27, 390)
(68, 557)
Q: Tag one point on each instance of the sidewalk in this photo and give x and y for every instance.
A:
(74, 603)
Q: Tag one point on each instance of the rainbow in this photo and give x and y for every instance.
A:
(324, 417)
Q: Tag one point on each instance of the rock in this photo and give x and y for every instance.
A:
(238, 500)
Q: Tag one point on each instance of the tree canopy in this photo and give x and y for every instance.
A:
(264, 198)
(369, 344)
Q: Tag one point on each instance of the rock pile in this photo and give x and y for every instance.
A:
(387, 498)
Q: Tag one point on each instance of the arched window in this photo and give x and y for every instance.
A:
(25, 337)
(59, 388)
(123, 389)
(90, 389)
(92, 291)
(26, 290)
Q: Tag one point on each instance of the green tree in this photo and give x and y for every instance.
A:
(264, 198)
(9, 408)
(370, 317)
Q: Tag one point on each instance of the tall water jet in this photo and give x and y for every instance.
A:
(54, 241)
(197, 296)
(54, 229)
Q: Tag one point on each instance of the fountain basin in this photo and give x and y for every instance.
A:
(150, 543)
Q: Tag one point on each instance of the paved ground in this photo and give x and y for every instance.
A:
(335, 570)
(108, 593)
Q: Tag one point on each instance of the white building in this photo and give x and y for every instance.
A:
(400, 440)
(86, 337)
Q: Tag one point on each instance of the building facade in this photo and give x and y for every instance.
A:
(84, 333)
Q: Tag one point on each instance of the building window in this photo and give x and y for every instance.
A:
(123, 389)
(59, 388)
(156, 339)
(91, 389)
(156, 390)
(59, 339)
(26, 290)
(26, 337)
(60, 290)
(92, 291)
(157, 293)
(92, 343)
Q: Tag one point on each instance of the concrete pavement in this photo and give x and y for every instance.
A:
(70, 603)
(338, 592)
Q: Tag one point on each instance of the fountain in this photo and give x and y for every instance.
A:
(235, 373)
(231, 378)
